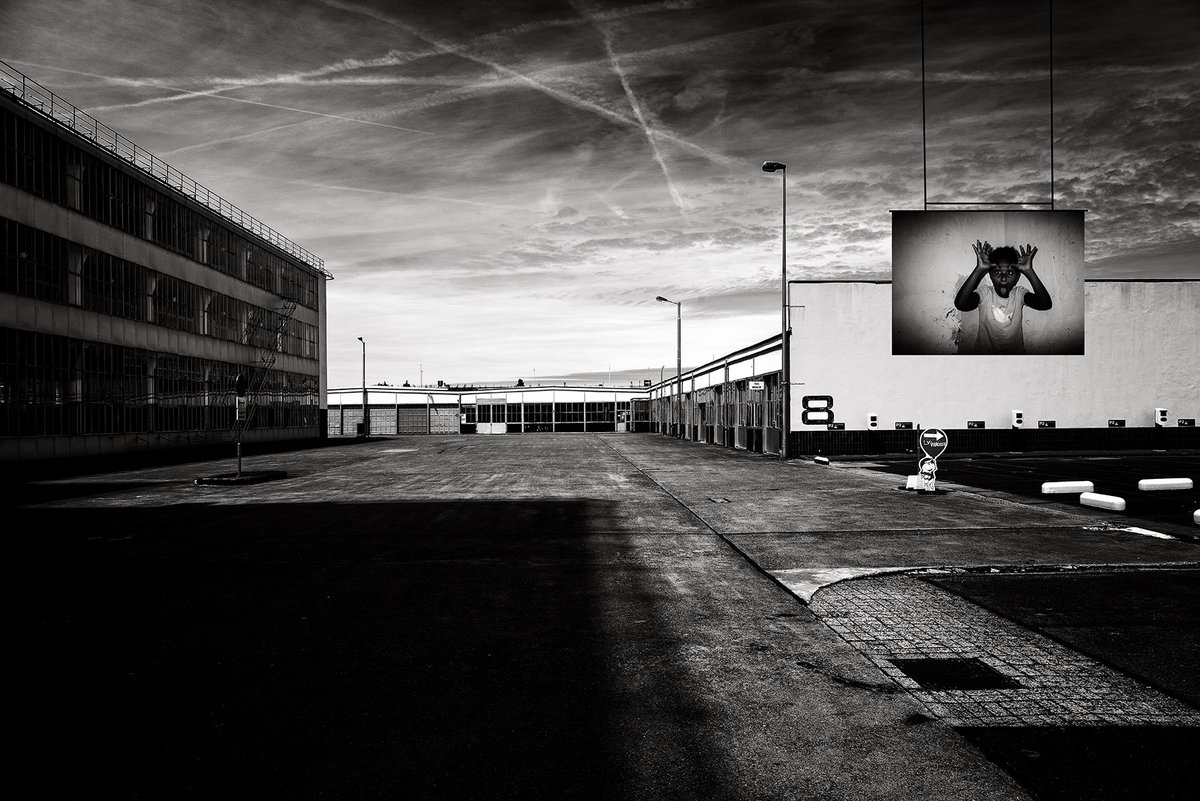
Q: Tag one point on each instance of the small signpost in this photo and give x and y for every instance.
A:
(240, 385)
(933, 442)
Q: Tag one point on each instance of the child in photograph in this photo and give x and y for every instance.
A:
(1001, 304)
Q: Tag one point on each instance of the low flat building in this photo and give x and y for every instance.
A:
(487, 410)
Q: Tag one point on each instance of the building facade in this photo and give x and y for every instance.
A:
(1135, 386)
(488, 410)
(735, 401)
(131, 298)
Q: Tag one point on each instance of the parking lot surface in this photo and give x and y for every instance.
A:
(587, 616)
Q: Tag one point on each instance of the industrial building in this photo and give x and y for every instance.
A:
(132, 297)
(735, 401)
(1136, 385)
(488, 410)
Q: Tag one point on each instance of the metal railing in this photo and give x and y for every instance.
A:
(44, 101)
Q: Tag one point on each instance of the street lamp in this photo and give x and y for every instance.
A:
(366, 411)
(785, 376)
(678, 360)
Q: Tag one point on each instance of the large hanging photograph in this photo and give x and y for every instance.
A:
(989, 283)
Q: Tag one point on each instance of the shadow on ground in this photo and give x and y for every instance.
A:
(1121, 763)
(415, 650)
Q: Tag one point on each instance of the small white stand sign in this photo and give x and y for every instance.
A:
(933, 442)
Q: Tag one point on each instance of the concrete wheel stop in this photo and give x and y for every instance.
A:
(244, 477)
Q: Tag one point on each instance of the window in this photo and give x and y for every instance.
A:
(538, 412)
(568, 412)
(149, 229)
(55, 385)
(202, 236)
(73, 174)
(599, 412)
(41, 265)
(39, 162)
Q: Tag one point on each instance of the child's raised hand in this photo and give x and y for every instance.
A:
(983, 255)
(1025, 255)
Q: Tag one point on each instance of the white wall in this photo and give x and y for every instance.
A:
(1142, 351)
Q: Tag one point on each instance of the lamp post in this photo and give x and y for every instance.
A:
(785, 375)
(678, 360)
(366, 410)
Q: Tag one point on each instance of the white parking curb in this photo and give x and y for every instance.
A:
(1055, 487)
(1102, 501)
(1157, 484)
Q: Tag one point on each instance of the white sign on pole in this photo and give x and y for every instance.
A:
(933, 442)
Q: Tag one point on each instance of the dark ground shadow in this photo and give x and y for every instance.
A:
(33, 492)
(1145, 623)
(1085, 763)
(404, 650)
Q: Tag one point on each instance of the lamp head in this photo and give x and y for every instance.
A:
(360, 339)
(773, 166)
(661, 299)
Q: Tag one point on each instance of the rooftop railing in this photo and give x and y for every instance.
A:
(44, 101)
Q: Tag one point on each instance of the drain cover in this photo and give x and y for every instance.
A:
(954, 674)
(719, 500)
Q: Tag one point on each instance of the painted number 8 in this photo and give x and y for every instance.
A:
(818, 410)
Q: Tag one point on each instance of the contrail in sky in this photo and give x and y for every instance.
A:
(184, 95)
(558, 94)
(439, 199)
(228, 139)
(637, 112)
(158, 85)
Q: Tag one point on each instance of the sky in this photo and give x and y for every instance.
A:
(501, 189)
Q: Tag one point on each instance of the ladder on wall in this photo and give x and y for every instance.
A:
(259, 328)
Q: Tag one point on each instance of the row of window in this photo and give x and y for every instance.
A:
(444, 419)
(40, 265)
(37, 161)
(601, 412)
(53, 385)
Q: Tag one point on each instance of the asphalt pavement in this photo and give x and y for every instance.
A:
(589, 616)
(1116, 475)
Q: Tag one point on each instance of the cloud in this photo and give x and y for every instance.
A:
(544, 196)
(1174, 260)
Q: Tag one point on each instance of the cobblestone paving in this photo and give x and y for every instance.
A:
(901, 617)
